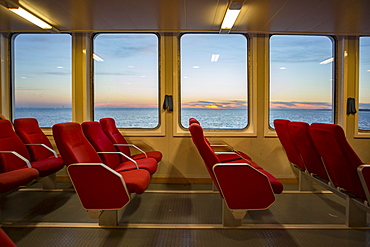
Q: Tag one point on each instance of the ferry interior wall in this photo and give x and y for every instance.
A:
(163, 123)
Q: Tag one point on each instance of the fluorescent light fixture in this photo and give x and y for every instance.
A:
(232, 13)
(30, 17)
(97, 58)
(329, 60)
(215, 57)
(230, 18)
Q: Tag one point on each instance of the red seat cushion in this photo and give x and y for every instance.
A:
(136, 180)
(148, 164)
(48, 166)
(13, 179)
(151, 154)
(230, 157)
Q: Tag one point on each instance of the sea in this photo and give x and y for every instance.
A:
(148, 118)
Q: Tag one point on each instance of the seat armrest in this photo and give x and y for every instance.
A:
(134, 146)
(19, 156)
(98, 186)
(229, 152)
(225, 145)
(364, 174)
(120, 153)
(45, 146)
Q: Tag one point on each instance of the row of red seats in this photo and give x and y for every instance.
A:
(25, 154)
(103, 175)
(322, 151)
(242, 183)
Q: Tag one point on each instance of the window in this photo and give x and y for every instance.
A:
(126, 79)
(42, 77)
(214, 80)
(364, 88)
(301, 78)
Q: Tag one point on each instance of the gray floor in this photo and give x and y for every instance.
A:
(178, 215)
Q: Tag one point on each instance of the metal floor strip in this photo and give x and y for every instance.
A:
(182, 226)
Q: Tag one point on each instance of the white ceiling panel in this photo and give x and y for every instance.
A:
(268, 16)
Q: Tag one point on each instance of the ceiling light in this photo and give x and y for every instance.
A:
(231, 16)
(215, 57)
(329, 60)
(97, 58)
(30, 17)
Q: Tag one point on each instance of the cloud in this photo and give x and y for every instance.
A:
(364, 106)
(301, 49)
(300, 105)
(58, 73)
(115, 73)
(28, 89)
(225, 104)
(124, 105)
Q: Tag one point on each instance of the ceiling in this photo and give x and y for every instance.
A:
(347, 17)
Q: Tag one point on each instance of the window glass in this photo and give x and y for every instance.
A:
(364, 88)
(126, 84)
(214, 80)
(301, 78)
(42, 78)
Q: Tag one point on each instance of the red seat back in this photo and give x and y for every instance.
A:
(300, 134)
(193, 120)
(5, 241)
(204, 149)
(281, 127)
(30, 133)
(101, 143)
(339, 158)
(73, 145)
(99, 187)
(111, 131)
(9, 141)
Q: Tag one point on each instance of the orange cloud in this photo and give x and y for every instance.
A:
(300, 105)
(125, 105)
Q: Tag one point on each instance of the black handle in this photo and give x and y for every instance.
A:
(351, 106)
(168, 103)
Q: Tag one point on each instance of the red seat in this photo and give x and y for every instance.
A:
(227, 156)
(76, 149)
(11, 180)
(10, 142)
(109, 154)
(364, 174)
(339, 158)
(37, 142)
(210, 159)
(282, 131)
(109, 128)
(5, 241)
(300, 134)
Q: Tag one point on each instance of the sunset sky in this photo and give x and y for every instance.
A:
(213, 71)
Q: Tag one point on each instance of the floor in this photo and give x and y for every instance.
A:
(178, 215)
